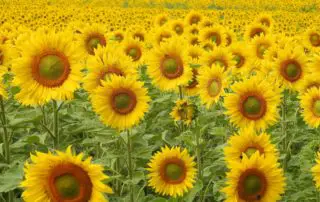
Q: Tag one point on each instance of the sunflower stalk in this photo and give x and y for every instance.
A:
(129, 147)
(198, 153)
(181, 97)
(6, 142)
(284, 129)
(56, 124)
(118, 185)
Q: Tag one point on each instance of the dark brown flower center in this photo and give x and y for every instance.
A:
(315, 39)
(291, 70)
(93, 41)
(214, 87)
(253, 107)
(256, 32)
(134, 52)
(261, 50)
(171, 67)
(239, 60)
(173, 171)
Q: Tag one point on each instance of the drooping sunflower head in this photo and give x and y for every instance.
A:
(248, 142)
(107, 61)
(193, 18)
(172, 171)
(253, 103)
(255, 179)
(291, 67)
(92, 37)
(169, 65)
(212, 82)
(310, 103)
(184, 111)
(255, 30)
(63, 177)
(48, 68)
(121, 102)
(219, 56)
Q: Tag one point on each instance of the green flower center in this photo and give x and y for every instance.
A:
(214, 88)
(163, 21)
(315, 39)
(51, 67)
(178, 29)
(250, 151)
(93, 43)
(238, 60)
(170, 65)
(252, 106)
(119, 38)
(133, 53)
(292, 70)
(214, 38)
(252, 185)
(67, 186)
(173, 171)
(122, 101)
(316, 108)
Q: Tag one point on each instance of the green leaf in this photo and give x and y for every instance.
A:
(11, 178)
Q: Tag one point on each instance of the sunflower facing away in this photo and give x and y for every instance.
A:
(63, 177)
(172, 171)
(47, 69)
(169, 65)
(184, 111)
(107, 61)
(121, 102)
(255, 179)
(310, 103)
(212, 82)
(248, 142)
(253, 103)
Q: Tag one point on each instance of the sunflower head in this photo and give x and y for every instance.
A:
(255, 179)
(172, 171)
(63, 177)
(184, 111)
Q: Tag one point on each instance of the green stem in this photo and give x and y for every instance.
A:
(118, 185)
(284, 130)
(6, 142)
(180, 93)
(55, 124)
(129, 147)
(198, 153)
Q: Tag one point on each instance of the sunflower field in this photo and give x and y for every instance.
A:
(159, 100)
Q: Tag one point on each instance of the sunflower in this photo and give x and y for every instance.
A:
(63, 177)
(177, 26)
(172, 171)
(265, 19)
(310, 103)
(309, 81)
(254, 30)
(47, 69)
(260, 45)
(316, 171)
(92, 36)
(195, 53)
(107, 61)
(255, 179)
(118, 36)
(184, 111)
(248, 142)
(161, 35)
(121, 102)
(161, 20)
(311, 39)
(220, 56)
(242, 56)
(138, 33)
(192, 88)
(291, 67)
(253, 103)
(134, 49)
(314, 66)
(169, 65)
(230, 37)
(7, 54)
(212, 82)
(193, 18)
(193, 30)
(214, 34)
